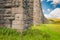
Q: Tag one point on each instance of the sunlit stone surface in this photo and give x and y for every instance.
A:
(20, 14)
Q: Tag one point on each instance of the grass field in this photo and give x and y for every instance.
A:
(54, 20)
(53, 30)
(40, 32)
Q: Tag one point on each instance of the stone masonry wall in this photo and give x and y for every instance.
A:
(20, 14)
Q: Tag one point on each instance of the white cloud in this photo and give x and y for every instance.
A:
(56, 2)
(46, 15)
(43, 10)
(55, 13)
(42, 0)
(48, 10)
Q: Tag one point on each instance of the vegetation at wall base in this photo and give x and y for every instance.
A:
(40, 32)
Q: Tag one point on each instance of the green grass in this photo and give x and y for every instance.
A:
(40, 32)
(8, 34)
(52, 29)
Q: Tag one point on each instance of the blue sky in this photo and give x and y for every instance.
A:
(47, 6)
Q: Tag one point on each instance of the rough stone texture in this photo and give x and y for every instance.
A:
(38, 17)
(20, 14)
